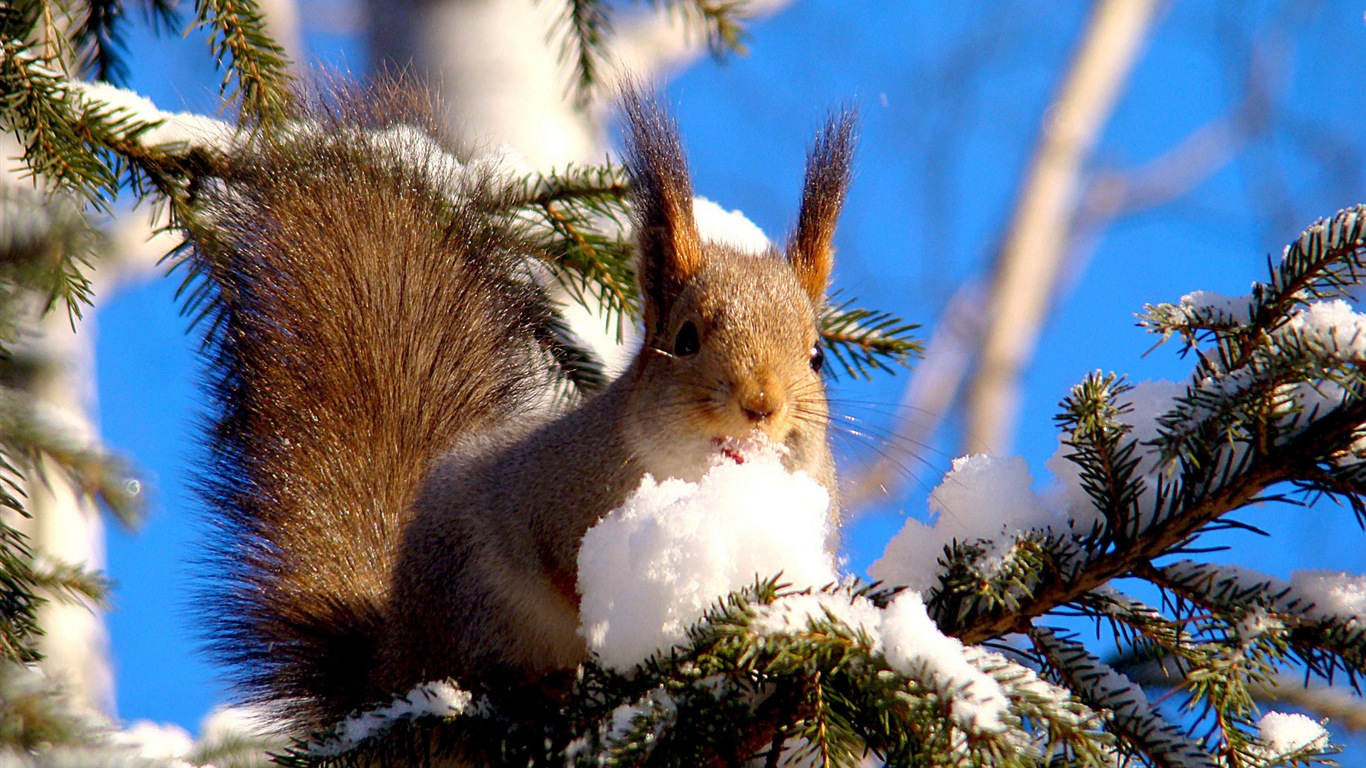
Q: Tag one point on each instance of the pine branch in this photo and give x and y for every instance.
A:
(578, 215)
(44, 244)
(1323, 263)
(720, 22)
(99, 36)
(585, 34)
(71, 583)
(1210, 492)
(1132, 718)
(865, 340)
(586, 31)
(19, 599)
(29, 431)
(39, 110)
(1325, 642)
(244, 49)
(1107, 458)
(38, 717)
(1292, 414)
(747, 686)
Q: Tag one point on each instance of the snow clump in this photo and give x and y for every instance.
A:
(1282, 733)
(731, 228)
(914, 646)
(1334, 593)
(984, 499)
(654, 565)
(651, 568)
(440, 698)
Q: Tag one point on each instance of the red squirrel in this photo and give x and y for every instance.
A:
(387, 513)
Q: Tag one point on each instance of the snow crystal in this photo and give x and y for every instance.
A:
(1284, 733)
(915, 647)
(439, 697)
(984, 498)
(731, 228)
(795, 613)
(651, 567)
(1333, 592)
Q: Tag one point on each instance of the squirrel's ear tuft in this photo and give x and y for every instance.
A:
(827, 180)
(670, 249)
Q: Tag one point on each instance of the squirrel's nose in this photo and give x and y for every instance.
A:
(759, 405)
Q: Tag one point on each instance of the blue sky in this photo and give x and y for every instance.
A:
(951, 97)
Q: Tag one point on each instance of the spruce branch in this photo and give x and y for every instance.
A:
(31, 432)
(1131, 718)
(586, 29)
(577, 216)
(585, 35)
(44, 246)
(1108, 459)
(1231, 461)
(239, 42)
(864, 340)
(720, 22)
(739, 689)
(19, 599)
(1322, 263)
(1325, 643)
(99, 35)
(38, 716)
(55, 131)
(71, 583)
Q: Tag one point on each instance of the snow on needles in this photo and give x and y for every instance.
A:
(1283, 734)
(651, 567)
(437, 698)
(984, 498)
(914, 646)
(1333, 325)
(169, 128)
(1334, 593)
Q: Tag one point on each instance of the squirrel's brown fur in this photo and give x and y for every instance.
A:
(389, 516)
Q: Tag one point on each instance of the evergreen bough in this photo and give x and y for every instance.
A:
(1273, 411)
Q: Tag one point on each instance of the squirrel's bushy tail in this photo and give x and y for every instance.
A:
(370, 308)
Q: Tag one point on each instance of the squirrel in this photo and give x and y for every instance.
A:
(386, 512)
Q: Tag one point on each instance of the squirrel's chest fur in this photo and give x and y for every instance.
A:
(484, 587)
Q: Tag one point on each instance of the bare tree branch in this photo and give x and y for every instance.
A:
(1036, 240)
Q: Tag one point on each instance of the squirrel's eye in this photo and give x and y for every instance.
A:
(817, 358)
(686, 342)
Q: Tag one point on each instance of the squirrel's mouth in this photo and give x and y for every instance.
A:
(742, 449)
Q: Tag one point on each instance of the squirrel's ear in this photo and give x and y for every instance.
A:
(827, 179)
(670, 249)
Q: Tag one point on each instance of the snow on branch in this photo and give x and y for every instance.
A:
(1142, 472)
(1132, 717)
(441, 699)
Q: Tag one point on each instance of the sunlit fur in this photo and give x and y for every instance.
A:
(434, 532)
(751, 373)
